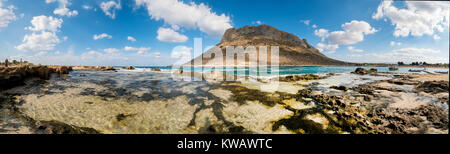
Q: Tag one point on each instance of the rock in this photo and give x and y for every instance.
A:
(343, 88)
(394, 121)
(13, 76)
(55, 127)
(129, 68)
(300, 77)
(433, 87)
(364, 89)
(361, 71)
(179, 72)
(156, 69)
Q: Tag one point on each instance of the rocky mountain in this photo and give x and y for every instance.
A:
(293, 51)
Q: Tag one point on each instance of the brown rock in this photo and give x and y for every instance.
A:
(129, 68)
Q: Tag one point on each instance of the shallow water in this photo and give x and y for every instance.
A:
(153, 102)
(284, 70)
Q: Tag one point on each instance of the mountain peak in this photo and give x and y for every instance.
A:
(265, 33)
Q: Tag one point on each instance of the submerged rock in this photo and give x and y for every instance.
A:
(55, 127)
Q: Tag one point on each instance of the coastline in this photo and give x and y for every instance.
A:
(365, 101)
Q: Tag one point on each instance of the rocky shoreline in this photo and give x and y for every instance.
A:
(303, 104)
(16, 75)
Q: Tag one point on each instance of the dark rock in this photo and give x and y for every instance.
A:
(343, 88)
(55, 127)
(129, 68)
(122, 116)
(362, 71)
(433, 87)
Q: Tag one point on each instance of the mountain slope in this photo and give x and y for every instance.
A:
(292, 50)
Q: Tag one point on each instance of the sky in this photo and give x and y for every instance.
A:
(162, 32)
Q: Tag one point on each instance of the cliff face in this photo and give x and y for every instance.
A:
(292, 49)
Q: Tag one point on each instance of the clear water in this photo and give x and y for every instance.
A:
(285, 70)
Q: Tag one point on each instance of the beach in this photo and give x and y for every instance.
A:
(143, 101)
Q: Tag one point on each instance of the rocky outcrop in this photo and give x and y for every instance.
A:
(433, 87)
(129, 68)
(292, 49)
(362, 71)
(13, 76)
(156, 69)
(301, 77)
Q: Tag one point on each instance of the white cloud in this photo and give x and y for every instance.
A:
(156, 54)
(42, 53)
(417, 19)
(111, 50)
(46, 39)
(65, 12)
(323, 33)
(354, 32)
(169, 35)
(62, 10)
(6, 16)
(102, 36)
(393, 43)
(110, 8)
(38, 42)
(353, 49)
(141, 50)
(406, 55)
(86, 7)
(306, 22)
(191, 15)
(182, 53)
(132, 39)
(257, 22)
(314, 26)
(331, 52)
(321, 46)
(44, 23)
(436, 37)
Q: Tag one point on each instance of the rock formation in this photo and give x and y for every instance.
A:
(129, 68)
(12, 76)
(292, 49)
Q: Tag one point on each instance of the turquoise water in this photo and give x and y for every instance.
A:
(285, 70)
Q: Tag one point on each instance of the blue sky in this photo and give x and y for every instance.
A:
(63, 31)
